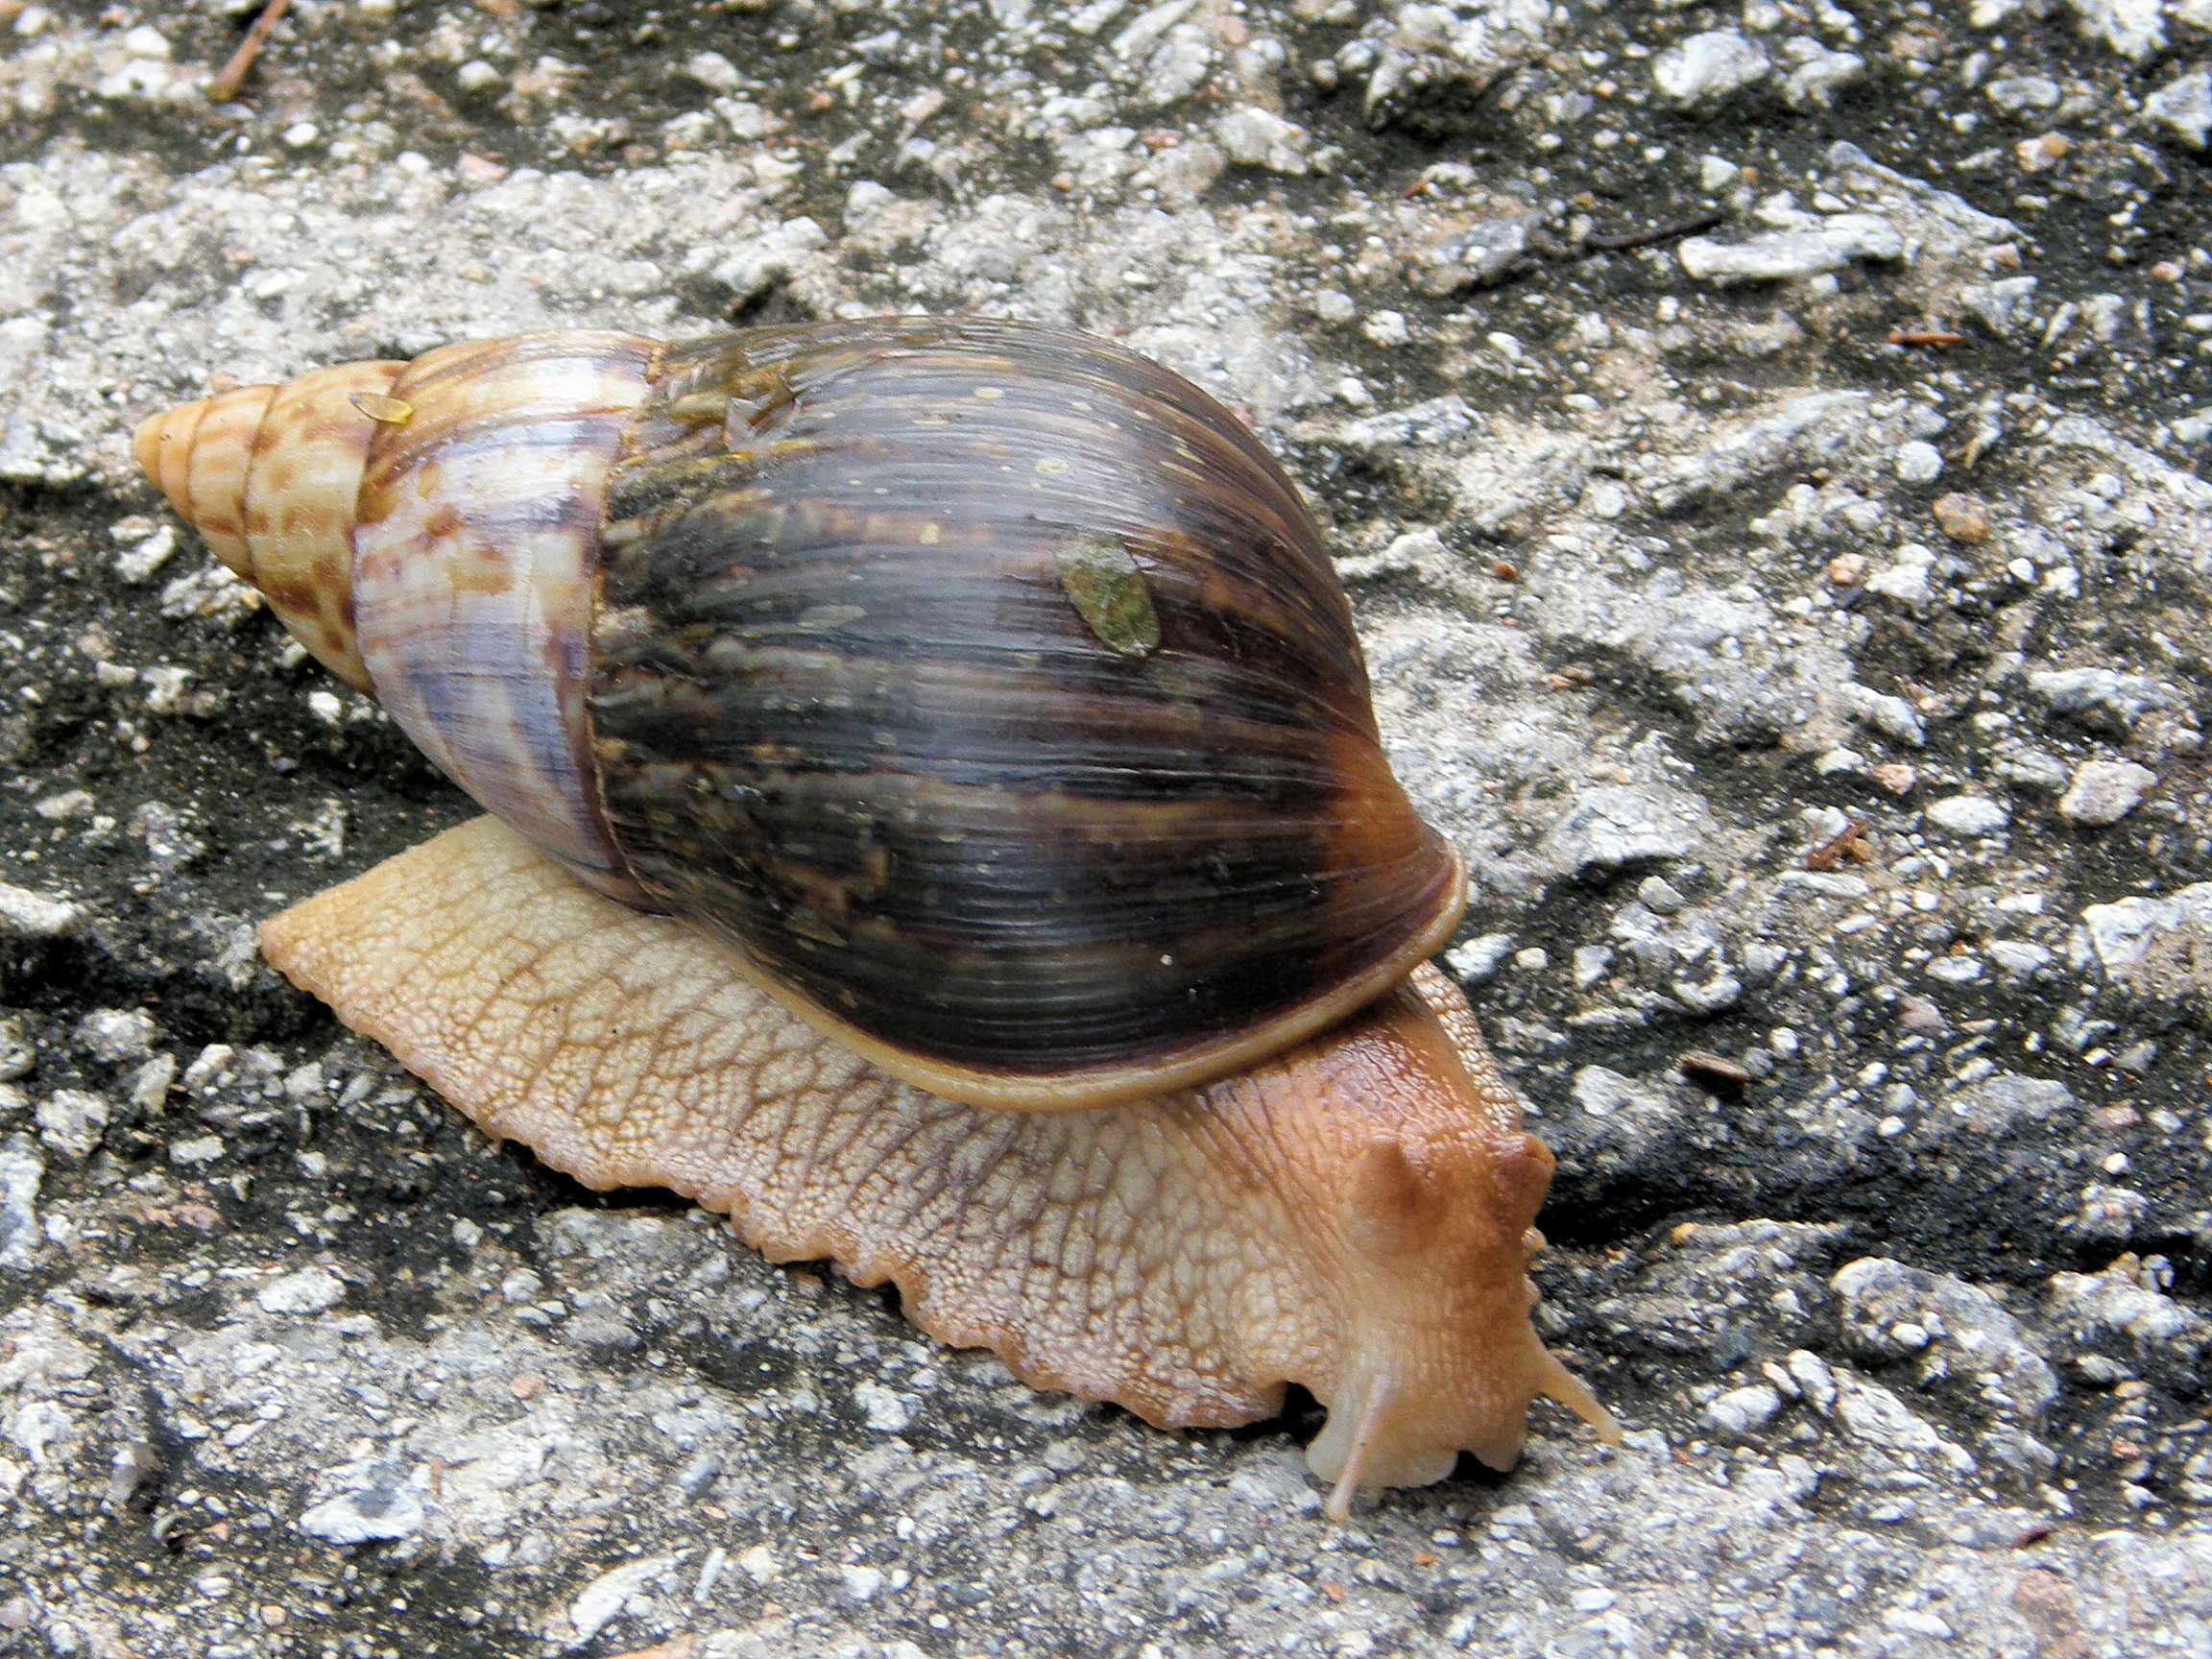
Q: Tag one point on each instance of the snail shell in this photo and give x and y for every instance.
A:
(981, 694)
(985, 687)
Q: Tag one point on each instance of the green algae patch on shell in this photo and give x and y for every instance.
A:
(1106, 586)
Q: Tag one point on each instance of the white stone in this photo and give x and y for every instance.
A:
(2115, 936)
(117, 1034)
(136, 563)
(1905, 582)
(1387, 327)
(1741, 1410)
(1480, 957)
(70, 1121)
(2024, 94)
(1816, 74)
(2104, 791)
(1591, 961)
(604, 1596)
(1601, 1092)
(1917, 461)
(1707, 68)
(772, 257)
(21, 1173)
(888, 1412)
(2016, 960)
(1955, 970)
(2184, 106)
(1968, 815)
(1785, 255)
(712, 71)
(308, 1291)
(1256, 137)
(371, 1516)
(2131, 27)
(1885, 713)
(200, 1149)
(29, 915)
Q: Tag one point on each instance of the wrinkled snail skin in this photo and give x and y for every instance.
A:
(977, 705)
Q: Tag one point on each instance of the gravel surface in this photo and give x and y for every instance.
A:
(1763, 447)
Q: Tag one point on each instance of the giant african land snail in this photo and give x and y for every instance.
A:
(982, 695)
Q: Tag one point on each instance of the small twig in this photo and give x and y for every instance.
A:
(1937, 338)
(232, 75)
(1632, 240)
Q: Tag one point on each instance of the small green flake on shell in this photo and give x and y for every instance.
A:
(1104, 584)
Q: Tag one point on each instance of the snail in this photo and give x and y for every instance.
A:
(938, 820)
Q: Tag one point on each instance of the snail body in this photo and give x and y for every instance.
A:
(980, 696)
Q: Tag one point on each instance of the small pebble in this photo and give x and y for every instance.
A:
(2104, 791)
(1894, 776)
(1387, 327)
(1917, 462)
(200, 1149)
(1919, 1013)
(1967, 815)
(29, 915)
(1789, 255)
(2183, 106)
(1741, 1410)
(117, 1034)
(1961, 518)
(712, 71)
(71, 1121)
(308, 1291)
(1705, 68)
(1480, 958)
